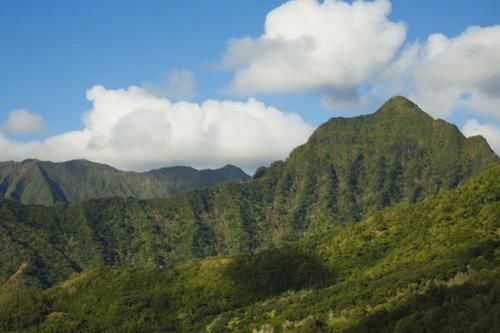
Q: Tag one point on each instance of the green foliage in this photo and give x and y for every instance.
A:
(22, 308)
(289, 257)
(278, 270)
(46, 183)
(431, 266)
(347, 170)
(472, 306)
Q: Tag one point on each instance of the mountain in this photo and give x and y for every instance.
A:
(46, 183)
(349, 169)
(431, 266)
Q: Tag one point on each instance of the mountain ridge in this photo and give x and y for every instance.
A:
(43, 182)
(397, 119)
(348, 170)
(383, 222)
(432, 264)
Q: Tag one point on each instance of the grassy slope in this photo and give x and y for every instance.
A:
(431, 266)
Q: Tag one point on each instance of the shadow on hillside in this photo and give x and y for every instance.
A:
(472, 306)
(275, 271)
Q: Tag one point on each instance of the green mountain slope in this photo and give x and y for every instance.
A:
(349, 168)
(433, 266)
(46, 183)
(366, 163)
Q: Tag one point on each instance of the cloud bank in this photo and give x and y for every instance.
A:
(349, 53)
(337, 48)
(133, 129)
(445, 74)
(354, 56)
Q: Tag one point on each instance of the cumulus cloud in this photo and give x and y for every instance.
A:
(351, 53)
(24, 122)
(180, 84)
(330, 46)
(135, 130)
(444, 74)
(492, 133)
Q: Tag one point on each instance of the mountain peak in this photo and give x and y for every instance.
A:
(400, 153)
(231, 167)
(397, 119)
(399, 105)
(398, 99)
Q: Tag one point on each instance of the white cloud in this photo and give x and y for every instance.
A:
(492, 133)
(346, 52)
(444, 74)
(133, 129)
(180, 84)
(330, 46)
(24, 122)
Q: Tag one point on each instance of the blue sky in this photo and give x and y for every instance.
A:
(53, 52)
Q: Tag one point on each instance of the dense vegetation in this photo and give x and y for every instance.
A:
(276, 253)
(348, 169)
(46, 183)
(433, 266)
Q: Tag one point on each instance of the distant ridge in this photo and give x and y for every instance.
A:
(40, 182)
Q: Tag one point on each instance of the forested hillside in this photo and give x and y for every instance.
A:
(47, 183)
(347, 170)
(430, 266)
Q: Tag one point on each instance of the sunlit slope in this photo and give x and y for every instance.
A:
(433, 264)
(349, 169)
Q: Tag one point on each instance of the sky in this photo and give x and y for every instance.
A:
(147, 84)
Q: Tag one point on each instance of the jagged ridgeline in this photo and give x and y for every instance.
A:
(46, 183)
(432, 266)
(348, 169)
(352, 166)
